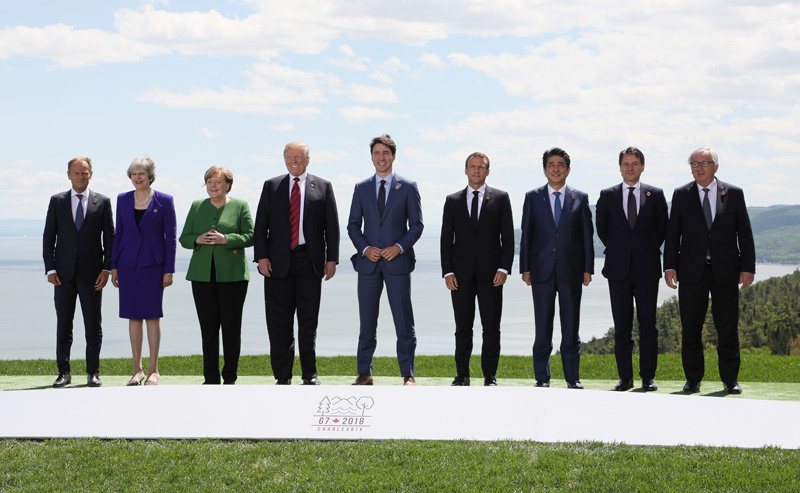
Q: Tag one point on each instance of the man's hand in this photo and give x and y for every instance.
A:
(587, 278)
(102, 280)
(526, 278)
(114, 278)
(671, 278)
(451, 282)
(265, 267)
(373, 254)
(499, 278)
(391, 252)
(53, 279)
(746, 278)
(330, 270)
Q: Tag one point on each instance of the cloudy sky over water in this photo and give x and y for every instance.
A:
(196, 83)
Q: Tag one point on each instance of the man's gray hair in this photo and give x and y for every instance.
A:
(714, 156)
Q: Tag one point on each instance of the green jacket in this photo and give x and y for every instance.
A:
(235, 222)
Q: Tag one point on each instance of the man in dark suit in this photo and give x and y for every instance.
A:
(78, 234)
(709, 248)
(296, 244)
(556, 256)
(631, 223)
(389, 207)
(477, 250)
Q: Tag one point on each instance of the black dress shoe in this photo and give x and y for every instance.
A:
(460, 381)
(63, 380)
(490, 381)
(542, 383)
(691, 387)
(312, 381)
(624, 384)
(283, 381)
(575, 385)
(93, 380)
(648, 385)
(732, 387)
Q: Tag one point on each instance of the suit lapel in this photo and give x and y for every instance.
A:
(394, 190)
(149, 215)
(568, 195)
(545, 192)
(697, 203)
(487, 197)
(722, 194)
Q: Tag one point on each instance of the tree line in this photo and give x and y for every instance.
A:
(769, 321)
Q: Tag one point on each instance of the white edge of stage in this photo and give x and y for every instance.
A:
(337, 412)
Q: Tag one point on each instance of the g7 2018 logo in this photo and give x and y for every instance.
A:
(343, 414)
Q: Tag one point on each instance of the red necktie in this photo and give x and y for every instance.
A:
(294, 213)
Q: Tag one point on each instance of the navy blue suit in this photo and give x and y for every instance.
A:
(633, 268)
(556, 256)
(401, 223)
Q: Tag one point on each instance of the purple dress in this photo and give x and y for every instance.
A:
(142, 253)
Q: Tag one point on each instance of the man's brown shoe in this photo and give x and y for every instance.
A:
(363, 379)
(409, 381)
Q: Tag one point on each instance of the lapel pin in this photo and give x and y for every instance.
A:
(95, 201)
(723, 192)
(648, 194)
(312, 185)
(397, 187)
(155, 210)
(234, 252)
(488, 196)
(573, 197)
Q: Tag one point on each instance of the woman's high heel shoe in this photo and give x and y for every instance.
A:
(135, 383)
(152, 382)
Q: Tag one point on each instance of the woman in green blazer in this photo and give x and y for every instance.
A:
(218, 229)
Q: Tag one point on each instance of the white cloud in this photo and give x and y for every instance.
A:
(370, 94)
(282, 127)
(431, 60)
(210, 134)
(357, 114)
(350, 61)
(71, 48)
(271, 87)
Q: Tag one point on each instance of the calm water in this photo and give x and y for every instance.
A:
(28, 326)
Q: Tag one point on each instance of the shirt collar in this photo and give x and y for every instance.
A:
(73, 193)
(388, 178)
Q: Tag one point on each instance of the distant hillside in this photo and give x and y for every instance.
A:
(776, 230)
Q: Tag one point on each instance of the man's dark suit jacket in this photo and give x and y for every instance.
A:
(567, 249)
(729, 241)
(320, 224)
(632, 253)
(65, 249)
(401, 224)
(469, 251)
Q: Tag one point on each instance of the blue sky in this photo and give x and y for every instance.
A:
(198, 83)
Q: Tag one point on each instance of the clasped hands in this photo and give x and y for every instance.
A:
(452, 283)
(389, 253)
(211, 237)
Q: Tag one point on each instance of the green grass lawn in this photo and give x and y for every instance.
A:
(394, 465)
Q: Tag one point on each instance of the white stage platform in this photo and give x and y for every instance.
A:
(337, 412)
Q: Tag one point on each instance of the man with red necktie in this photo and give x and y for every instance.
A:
(296, 245)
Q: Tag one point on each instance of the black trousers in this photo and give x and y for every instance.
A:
(65, 297)
(220, 304)
(644, 293)
(693, 303)
(299, 293)
(490, 304)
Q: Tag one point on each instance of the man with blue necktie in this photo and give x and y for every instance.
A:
(556, 257)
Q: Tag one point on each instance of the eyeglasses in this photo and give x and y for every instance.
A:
(701, 164)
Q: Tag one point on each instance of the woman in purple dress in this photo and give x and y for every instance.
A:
(143, 261)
